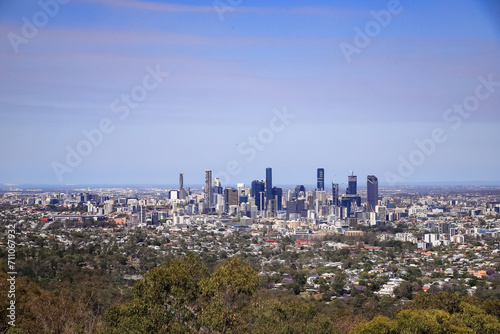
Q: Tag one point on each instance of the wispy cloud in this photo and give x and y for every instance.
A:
(177, 8)
(154, 6)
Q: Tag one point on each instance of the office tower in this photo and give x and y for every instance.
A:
(320, 175)
(230, 196)
(269, 184)
(182, 191)
(155, 219)
(371, 192)
(300, 190)
(257, 191)
(208, 189)
(108, 207)
(296, 207)
(382, 212)
(143, 214)
(217, 188)
(278, 197)
(241, 189)
(335, 194)
(352, 185)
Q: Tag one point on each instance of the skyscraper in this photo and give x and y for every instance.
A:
(371, 192)
(142, 214)
(181, 181)
(269, 184)
(278, 197)
(257, 191)
(335, 194)
(217, 187)
(352, 181)
(208, 189)
(298, 190)
(320, 179)
(230, 197)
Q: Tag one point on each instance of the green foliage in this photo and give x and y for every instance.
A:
(413, 322)
(181, 296)
(447, 301)
(287, 315)
(477, 319)
(440, 313)
(404, 290)
(225, 293)
(165, 301)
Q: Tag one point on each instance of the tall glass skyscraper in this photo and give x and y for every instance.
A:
(352, 181)
(269, 184)
(371, 192)
(257, 192)
(320, 176)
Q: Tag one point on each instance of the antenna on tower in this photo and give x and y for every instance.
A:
(352, 172)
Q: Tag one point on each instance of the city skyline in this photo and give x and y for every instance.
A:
(136, 92)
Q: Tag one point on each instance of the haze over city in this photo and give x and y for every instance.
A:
(136, 92)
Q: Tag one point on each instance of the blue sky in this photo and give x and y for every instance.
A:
(230, 73)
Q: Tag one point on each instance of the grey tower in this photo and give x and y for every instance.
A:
(335, 194)
(208, 189)
(371, 192)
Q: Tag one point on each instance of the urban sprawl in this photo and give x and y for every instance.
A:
(390, 240)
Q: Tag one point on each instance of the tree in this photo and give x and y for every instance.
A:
(287, 315)
(477, 319)
(165, 301)
(339, 283)
(413, 321)
(225, 294)
(404, 290)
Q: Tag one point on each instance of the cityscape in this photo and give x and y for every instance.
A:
(248, 166)
(346, 244)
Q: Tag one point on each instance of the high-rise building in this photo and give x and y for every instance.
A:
(182, 191)
(208, 189)
(257, 191)
(269, 184)
(320, 184)
(335, 194)
(155, 220)
(230, 197)
(143, 214)
(371, 192)
(352, 181)
(278, 197)
(300, 190)
(217, 188)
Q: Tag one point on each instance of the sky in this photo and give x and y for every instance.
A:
(136, 92)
